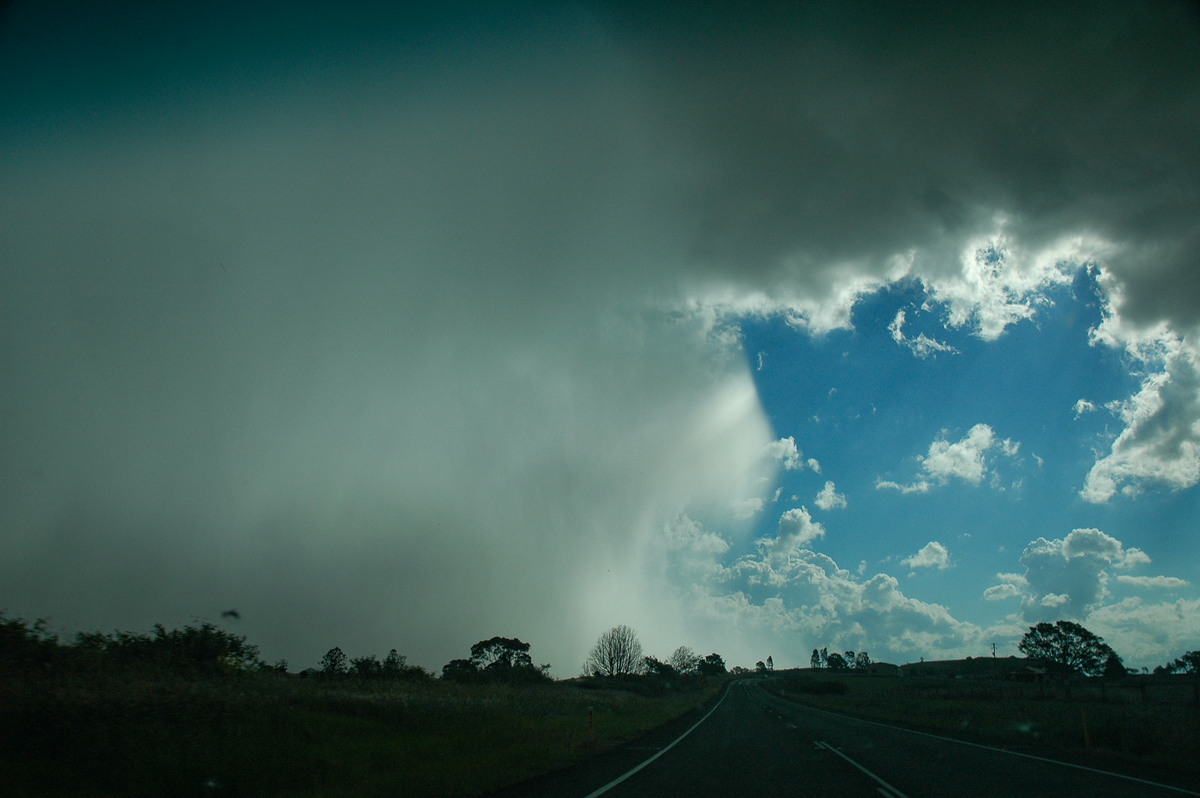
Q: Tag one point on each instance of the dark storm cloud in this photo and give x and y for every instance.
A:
(828, 140)
(353, 318)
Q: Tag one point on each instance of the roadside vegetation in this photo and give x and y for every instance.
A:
(193, 711)
(1070, 698)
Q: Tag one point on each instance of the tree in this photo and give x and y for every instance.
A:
(684, 660)
(760, 667)
(1113, 666)
(366, 667)
(652, 666)
(460, 670)
(836, 661)
(500, 653)
(334, 662)
(393, 664)
(815, 661)
(770, 663)
(1067, 645)
(1188, 663)
(712, 665)
(862, 661)
(616, 653)
(824, 657)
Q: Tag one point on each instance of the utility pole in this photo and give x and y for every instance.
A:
(993, 650)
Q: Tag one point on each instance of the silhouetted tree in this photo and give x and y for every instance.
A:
(1188, 663)
(393, 664)
(1067, 645)
(616, 653)
(500, 653)
(836, 661)
(24, 645)
(334, 662)
(653, 666)
(862, 661)
(684, 660)
(712, 665)
(760, 667)
(824, 657)
(770, 663)
(1113, 666)
(196, 649)
(815, 661)
(460, 670)
(366, 667)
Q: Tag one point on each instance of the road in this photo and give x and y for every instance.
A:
(756, 744)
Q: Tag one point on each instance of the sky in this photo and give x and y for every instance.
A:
(758, 328)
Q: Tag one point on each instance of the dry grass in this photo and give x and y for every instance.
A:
(265, 734)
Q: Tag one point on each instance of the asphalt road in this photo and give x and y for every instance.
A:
(756, 744)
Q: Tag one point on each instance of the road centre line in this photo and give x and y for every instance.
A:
(635, 769)
(1147, 782)
(886, 788)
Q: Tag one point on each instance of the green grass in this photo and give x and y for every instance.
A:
(266, 734)
(1147, 721)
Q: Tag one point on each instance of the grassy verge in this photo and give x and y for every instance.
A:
(267, 734)
(1119, 720)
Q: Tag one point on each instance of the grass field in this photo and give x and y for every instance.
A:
(1146, 721)
(270, 734)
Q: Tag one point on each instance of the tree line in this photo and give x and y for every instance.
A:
(205, 648)
(822, 658)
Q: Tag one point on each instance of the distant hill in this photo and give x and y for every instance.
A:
(973, 667)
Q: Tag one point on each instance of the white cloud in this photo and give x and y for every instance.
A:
(931, 555)
(1002, 591)
(1068, 576)
(1164, 582)
(922, 346)
(1000, 284)
(964, 460)
(1083, 406)
(829, 498)
(1148, 634)
(796, 528)
(921, 486)
(1160, 444)
(785, 451)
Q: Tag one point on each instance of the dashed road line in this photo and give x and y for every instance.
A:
(884, 788)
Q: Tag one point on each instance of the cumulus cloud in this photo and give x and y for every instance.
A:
(931, 555)
(796, 528)
(1160, 444)
(829, 498)
(964, 460)
(1148, 633)
(1068, 577)
(787, 453)
(809, 596)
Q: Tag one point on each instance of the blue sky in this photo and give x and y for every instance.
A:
(755, 329)
(863, 410)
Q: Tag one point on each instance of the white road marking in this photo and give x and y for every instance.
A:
(633, 770)
(885, 788)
